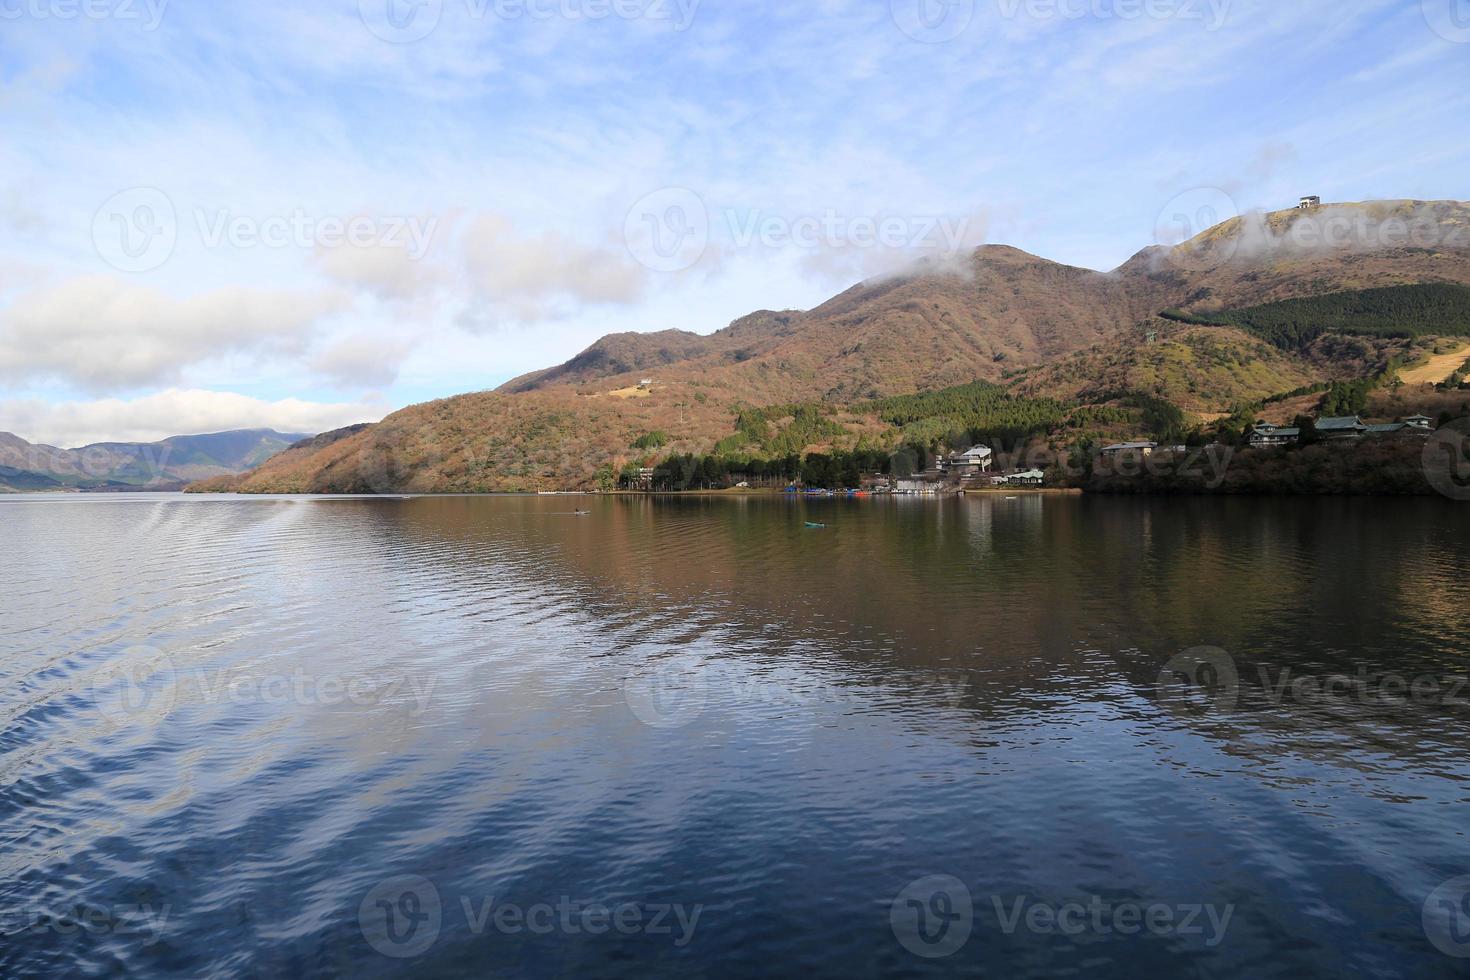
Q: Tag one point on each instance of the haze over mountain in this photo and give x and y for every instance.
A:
(162, 465)
(1006, 316)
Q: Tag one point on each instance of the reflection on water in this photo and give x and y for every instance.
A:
(693, 736)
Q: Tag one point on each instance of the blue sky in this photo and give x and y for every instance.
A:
(304, 215)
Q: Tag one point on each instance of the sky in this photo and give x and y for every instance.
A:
(243, 213)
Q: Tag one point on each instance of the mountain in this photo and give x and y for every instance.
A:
(1172, 324)
(168, 464)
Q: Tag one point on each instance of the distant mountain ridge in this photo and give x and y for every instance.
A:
(167, 464)
(1006, 316)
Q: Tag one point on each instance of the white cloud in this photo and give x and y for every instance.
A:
(172, 412)
(387, 273)
(539, 277)
(362, 361)
(103, 334)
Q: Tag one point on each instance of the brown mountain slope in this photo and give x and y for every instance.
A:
(1007, 309)
(1075, 329)
(1201, 369)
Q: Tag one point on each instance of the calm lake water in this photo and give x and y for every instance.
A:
(1047, 736)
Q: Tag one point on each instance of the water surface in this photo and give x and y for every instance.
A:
(693, 737)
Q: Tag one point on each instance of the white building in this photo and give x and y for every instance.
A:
(976, 459)
(1026, 478)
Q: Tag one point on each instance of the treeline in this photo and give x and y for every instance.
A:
(1375, 466)
(757, 428)
(976, 407)
(1441, 309)
(834, 470)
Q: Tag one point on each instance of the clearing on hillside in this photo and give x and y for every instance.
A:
(1437, 368)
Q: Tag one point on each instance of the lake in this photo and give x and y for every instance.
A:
(691, 736)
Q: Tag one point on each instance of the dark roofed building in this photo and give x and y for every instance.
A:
(1341, 427)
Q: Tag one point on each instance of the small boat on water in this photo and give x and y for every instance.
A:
(814, 524)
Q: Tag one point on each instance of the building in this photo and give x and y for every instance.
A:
(1265, 434)
(644, 479)
(916, 485)
(1408, 427)
(1341, 427)
(976, 459)
(1308, 203)
(1130, 449)
(1026, 478)
(1420, 421)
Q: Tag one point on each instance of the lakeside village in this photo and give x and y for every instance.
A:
(975, 471)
